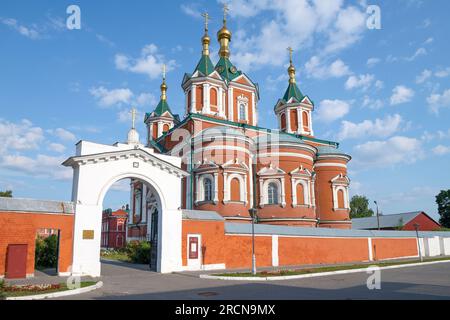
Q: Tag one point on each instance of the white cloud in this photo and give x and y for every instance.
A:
(296, 23)
(395, 150)
(19, 136)
(64, 134)
(191, 10)
(424, 76)
(419, 52)
(316, 69)
(41, 166)
(331, 110)
(363, 81)
(146, 99)
(436, 101)
(149, 63)
(371, 62)
(56, 147)
(372, 103)
(441, 150)
(107, 98)
(401, 94)
(29, 32)
(379, 128)
(443, 73)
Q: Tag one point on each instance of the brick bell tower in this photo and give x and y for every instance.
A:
(161, 119)
(294, 110)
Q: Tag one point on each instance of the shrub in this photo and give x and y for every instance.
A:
(46, 252)
(139, 251)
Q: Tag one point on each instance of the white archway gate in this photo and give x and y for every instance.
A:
(95, 168)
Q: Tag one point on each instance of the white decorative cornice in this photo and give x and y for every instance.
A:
(136, 153)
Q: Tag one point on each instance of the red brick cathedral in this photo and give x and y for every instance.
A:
(287, 174)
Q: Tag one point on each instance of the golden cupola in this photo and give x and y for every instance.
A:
(224, 36)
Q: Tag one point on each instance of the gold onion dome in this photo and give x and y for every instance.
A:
(224, 36)
(291, 68)
(163, 90)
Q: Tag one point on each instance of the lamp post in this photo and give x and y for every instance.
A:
(416, 226)
(252, 212)
(378, 216)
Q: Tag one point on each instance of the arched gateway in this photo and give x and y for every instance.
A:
(96, 167)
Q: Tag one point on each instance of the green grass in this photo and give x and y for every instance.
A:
(281, 273)
(5, 293)
(117, 256)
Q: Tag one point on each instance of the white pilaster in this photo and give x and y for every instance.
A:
(216, 187)
(230, 104)
(193, 98)
(253, 109)
(206, 107)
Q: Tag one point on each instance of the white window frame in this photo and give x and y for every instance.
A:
(200, 192)
(242, 187)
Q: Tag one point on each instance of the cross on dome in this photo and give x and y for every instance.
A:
(207, 18)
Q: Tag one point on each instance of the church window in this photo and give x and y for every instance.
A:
(272, 193)
(340, 198)
(242, 112)
(207, 189)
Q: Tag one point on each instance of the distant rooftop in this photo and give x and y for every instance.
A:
(386, 221)
(33, 205)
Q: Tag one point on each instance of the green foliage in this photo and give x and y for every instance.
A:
(46, 252)
(138, 251)
(359, 207)
(6, 194)
(443, 202)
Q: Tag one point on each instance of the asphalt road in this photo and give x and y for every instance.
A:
(124, 281)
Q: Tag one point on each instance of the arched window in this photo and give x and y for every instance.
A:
(242, 112)
(294, 120)
(305, 121)
(283, 121)
(300, 194)
(272, 193)
(213, 99)
(235, 190)
(207, 189)
(155, 131)
(340, 198)
(166, 127)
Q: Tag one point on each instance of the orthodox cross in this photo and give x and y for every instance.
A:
(133, 117)
(290, 53)
(225, 11)
(164, 71)
(207, 18)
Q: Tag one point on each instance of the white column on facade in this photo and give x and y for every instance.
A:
(216, 187)
(226, 192)
(220, 102)
(250, 178)
(299, 121)
(245, 189)
(261, 192)
(275, 251)
(193, 98)
(230, 104)
(313, 192)
(197, 187)
(160, 129)
(186, 101)
(283, 193)
(310, 123)
(131, 207)
(206, 107)
(294, 193)
(288, 120)
(144, 203)
(369, 245)
(253, 109)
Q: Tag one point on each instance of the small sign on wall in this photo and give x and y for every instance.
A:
(88, 234)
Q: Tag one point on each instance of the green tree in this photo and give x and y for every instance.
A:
(443, 202)
(359, 207)
(7, 194)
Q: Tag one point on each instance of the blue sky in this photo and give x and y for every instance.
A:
(384, 94)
